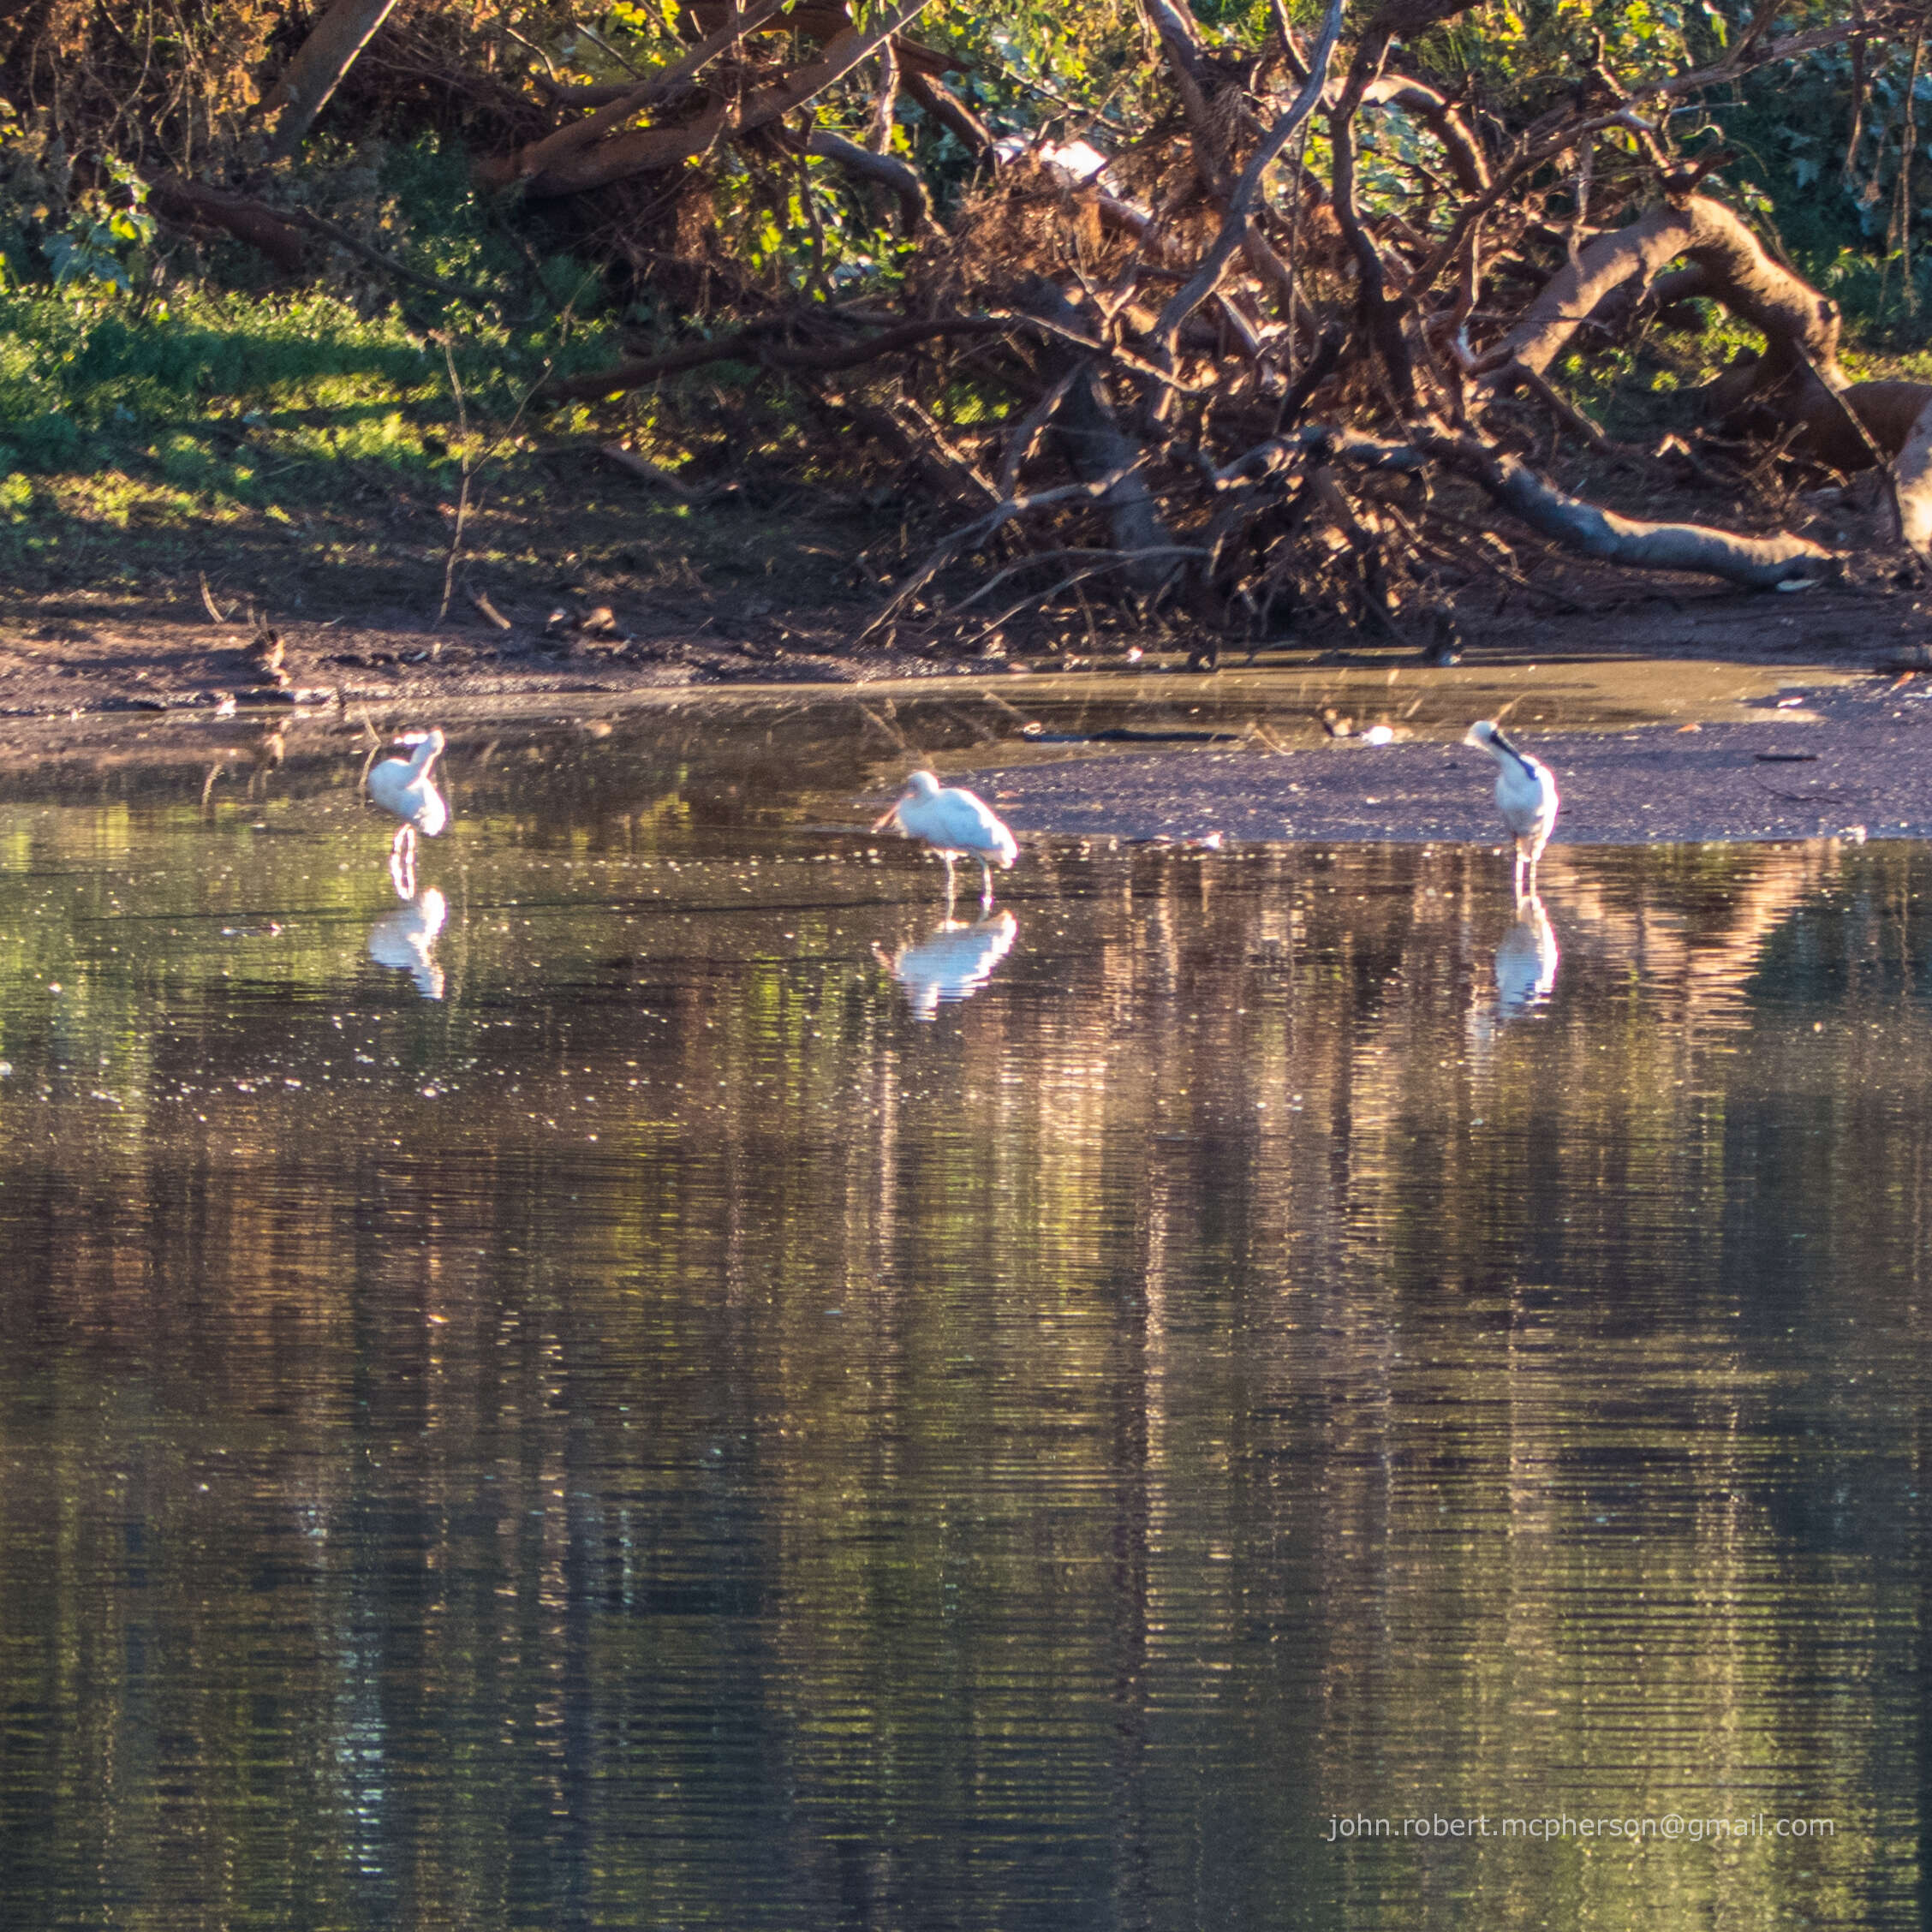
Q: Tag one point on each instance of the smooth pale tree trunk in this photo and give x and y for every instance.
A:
(1911, 474)
(314, 73)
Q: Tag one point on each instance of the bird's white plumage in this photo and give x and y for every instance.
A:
(404, 789)
(1525, 791)
(956, 823)
(950, 819)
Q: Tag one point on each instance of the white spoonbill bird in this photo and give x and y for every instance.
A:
(404, 788)
(1525, 796)
(956, 824)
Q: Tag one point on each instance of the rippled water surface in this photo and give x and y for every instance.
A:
(663, 1386)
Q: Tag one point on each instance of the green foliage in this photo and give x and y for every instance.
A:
(109, 246)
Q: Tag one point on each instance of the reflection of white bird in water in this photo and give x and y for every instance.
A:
(1526, 964)
(406, 939)
(404, 789)
(1525, 796)
(1527, 960)
(954, 823)
(953, 962)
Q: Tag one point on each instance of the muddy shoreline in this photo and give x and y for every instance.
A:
(1823, 778)
(1817, 757)
(1734, 743)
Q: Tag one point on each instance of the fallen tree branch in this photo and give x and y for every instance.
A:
(1100, 560)
(651, 150)
(1779, 562)
(1113, 560)
(1096, 446)
(1532, 155)
(950, 112)
(306, 82)
(1019, 446)
(274, 232)
(751, 344)
(754, 344)
(618, 105)
(186, 204)
(1739, 273)
(972, 536)
(1246, 196)
(1441, 117)
(1912, 484)
(887, 170)
(317, 225)
(1378, 323)
(1563, 409)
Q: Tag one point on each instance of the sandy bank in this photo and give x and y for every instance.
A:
(1842, 762)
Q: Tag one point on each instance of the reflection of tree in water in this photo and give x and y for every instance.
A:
(717, 1423)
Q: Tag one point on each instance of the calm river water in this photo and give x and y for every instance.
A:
(662, 1390)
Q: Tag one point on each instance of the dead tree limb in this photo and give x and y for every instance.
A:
(1246, 194)
(1099, 452)
(1533, 152)
(755, 344)
(1779, 562)
(618, 106)
(1736, 268)
(904, 183)
(1911, 474)
(1019, 445)
(651, 150)
(1443, 119)
(946, 108)
(186, 204)
(974, 535)
(303, 88)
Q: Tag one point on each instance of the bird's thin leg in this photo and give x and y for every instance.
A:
(986, 887)
(952, 883)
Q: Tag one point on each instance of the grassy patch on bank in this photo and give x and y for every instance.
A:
(307, 447)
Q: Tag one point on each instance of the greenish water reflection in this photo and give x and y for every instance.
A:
(680, 1427)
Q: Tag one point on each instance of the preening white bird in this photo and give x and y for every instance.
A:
(404, 788)
(957, 824)
(1525, 796)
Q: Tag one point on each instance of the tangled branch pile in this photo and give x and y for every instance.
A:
(1283, 330)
